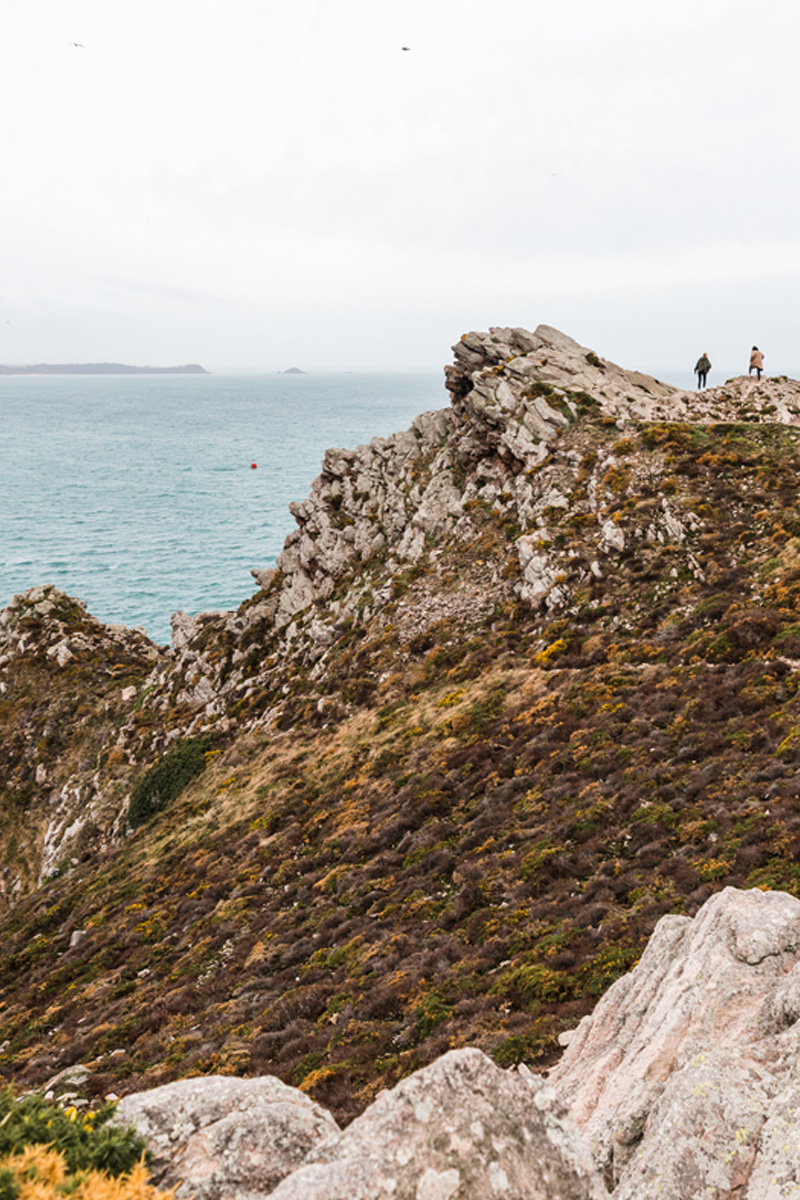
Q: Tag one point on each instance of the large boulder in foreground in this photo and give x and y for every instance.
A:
(460, 1129)
(685, 1080)
(216, 1137)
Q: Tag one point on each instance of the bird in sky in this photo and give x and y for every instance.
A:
(405, 47)
(80, 45)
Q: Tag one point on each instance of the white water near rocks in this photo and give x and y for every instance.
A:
(136, 494)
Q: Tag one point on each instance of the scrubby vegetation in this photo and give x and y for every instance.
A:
(42, 1174)
(47, 1151)
(85, 1140)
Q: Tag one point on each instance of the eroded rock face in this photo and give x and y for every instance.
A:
(390, 501)
(461, 1129)
(684, 1080)
(217, 1137)
(379, 509)
(68, 685)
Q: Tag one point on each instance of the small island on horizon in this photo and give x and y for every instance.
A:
(292, 371)
(100, 369)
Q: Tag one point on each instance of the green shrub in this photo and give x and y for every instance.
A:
(166, 780)
(532, 984)
(528, 1047)
(431, 1012)
(85, 1140)
(613, 961)
(9, 1188)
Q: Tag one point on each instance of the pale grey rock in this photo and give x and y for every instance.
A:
(440, 503)
(775, 1173)
(687, 1072)
(298, 592)
(263, 575)
(433, 427)
(183, 628)
(702, 1135)
(783, 1006)
(338, 462)
(523, 444)
(74, 1076)
(61, 653)
(540, 572)
(218, 1137)
(612, 537)
(676, 531)
(460, 1129)
(202, 694)
(323, 634)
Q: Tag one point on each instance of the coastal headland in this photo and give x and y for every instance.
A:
(104, 368)
(525, 681)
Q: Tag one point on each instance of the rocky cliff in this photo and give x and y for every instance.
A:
(524, 680)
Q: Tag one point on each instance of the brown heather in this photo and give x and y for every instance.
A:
(464, 829)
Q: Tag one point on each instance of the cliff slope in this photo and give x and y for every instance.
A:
(525, 679)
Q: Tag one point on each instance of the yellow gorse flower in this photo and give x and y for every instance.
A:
(41, 1174)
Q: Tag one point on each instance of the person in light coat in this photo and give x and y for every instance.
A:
(756, 362)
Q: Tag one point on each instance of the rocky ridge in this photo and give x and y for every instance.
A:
(381, 508)
(62, 748)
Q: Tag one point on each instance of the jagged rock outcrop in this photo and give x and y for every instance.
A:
(215, 1137)
(684, 1079)
(69, 687)
(46, 621)
(382, 508)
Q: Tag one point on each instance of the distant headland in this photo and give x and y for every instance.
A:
(101, 369)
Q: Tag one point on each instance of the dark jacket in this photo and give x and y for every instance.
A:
(702, 365)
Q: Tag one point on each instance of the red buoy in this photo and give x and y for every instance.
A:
(253, 466)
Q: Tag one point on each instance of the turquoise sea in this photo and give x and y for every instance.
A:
(136, 493)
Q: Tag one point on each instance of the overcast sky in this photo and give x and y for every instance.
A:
(254, 184)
